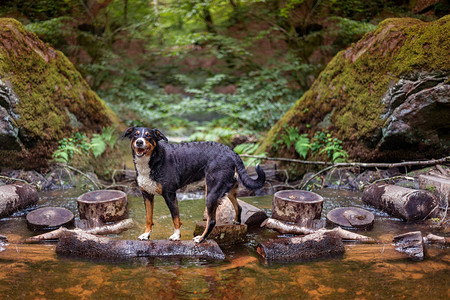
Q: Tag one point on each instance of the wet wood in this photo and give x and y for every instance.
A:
(224, 234)
(284, 228)
(101, 230)
(81, 244)
(351, 217)
(103, 206)
(436, 239)
(250, 215)
(296, 206)
(49, 218)
(411, 244)
(407, 204)
(17, 196)
(437, 184)
(297, 249)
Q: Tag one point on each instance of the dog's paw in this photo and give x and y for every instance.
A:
(176, 235)
(198, 239)
(144, 236)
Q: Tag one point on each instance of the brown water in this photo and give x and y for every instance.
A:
(364, 272)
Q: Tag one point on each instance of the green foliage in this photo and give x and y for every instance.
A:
(67, 147)
(246, 148)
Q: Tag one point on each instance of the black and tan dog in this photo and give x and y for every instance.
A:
(163, 168)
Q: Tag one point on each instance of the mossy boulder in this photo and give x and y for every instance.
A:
(43, 98)
(387, 97)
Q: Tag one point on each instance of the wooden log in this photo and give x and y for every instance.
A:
(296, 206)
(297, 249)
(351, 217)
(250, 215)
(284, 228)
(438, 185)
(17, 196)
(103, 206)
(101, 230)
(81, 244)
(405, 203)
(436, 239)
(224, 234)
(49, 218)
(410, 243)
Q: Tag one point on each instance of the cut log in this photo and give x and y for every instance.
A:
(296, 206)
(350, 217)
(410, 243)
(103, 206)
(49, 218)
(405, 203)
(438, 185)
(250, 215)
(224, 234)
(81, 244)
(297, 249)
(284, 228)
(14, 197)
(435, 239)
(106, 229)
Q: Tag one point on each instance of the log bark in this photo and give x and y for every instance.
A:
(439, 185)
(250, 215)
(17, 196)
(351, 217)
(103, 206)
(81, 244)
(410, 243)
(297, 249)
(296, 206)
(284, 228)
(224, 234)
(101, 230)
(436, 239)
(405, 203)
(49, 218)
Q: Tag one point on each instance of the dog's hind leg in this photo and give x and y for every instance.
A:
(211, 207)
(148, 201)
(171, 201)
(237, 208)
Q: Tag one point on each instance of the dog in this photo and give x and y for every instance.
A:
(162, 168)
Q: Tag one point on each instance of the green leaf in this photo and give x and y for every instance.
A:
(98, 145)
(302, 145)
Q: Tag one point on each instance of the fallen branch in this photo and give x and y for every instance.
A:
(284, 227)
(101, 230)
(435, 239)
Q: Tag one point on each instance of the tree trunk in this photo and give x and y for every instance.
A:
(405, 203)
(298, 249)
(438, 185)
(49, 218)
(296, 206)
(14, 197)
(351, 217)
(81, 244)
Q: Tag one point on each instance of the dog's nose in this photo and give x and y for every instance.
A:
(139, 143)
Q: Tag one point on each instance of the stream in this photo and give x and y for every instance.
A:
(364, 272)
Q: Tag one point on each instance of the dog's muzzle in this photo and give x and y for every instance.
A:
(139, 147)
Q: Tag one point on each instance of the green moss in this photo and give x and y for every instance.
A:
(356, 79)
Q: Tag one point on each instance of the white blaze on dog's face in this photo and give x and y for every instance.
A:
(142, 143)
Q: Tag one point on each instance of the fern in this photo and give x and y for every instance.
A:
(98, 145)
(302, 145)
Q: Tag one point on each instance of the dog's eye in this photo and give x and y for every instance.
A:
(137, 133)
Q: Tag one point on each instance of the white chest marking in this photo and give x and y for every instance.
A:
(143, 178)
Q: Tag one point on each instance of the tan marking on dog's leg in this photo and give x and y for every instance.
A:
(148, 217)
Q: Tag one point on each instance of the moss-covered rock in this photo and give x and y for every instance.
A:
(43, 98)
(387, 97)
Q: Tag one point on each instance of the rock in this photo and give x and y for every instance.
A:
(401, 202)
(43, 98)
(317, 245)
(49, 218)
(410, 243)
(224, 234)
(387, 97)
(14, 197)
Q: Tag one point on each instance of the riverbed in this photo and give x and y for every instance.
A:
(364, 272)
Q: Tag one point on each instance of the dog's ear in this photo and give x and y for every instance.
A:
(158, 135)
(128, 133)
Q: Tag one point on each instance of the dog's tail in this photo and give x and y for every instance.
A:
(247, 181)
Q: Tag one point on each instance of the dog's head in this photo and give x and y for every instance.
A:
(143, 140)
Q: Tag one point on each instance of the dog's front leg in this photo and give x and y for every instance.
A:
(148, 201)
(171, 201)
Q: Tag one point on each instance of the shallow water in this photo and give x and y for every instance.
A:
(364, 272)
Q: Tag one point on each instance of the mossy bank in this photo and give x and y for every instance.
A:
(43, 98)
(387, 97)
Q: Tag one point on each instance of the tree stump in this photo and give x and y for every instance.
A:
(351, 217)
(14, 197)
(49, 218)
(81, 244)
(224, 234)
(317, 245)
(405, 203)
(410, 243)
(103, 206)
(296, 206)
(250, 215)
(438, 185)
